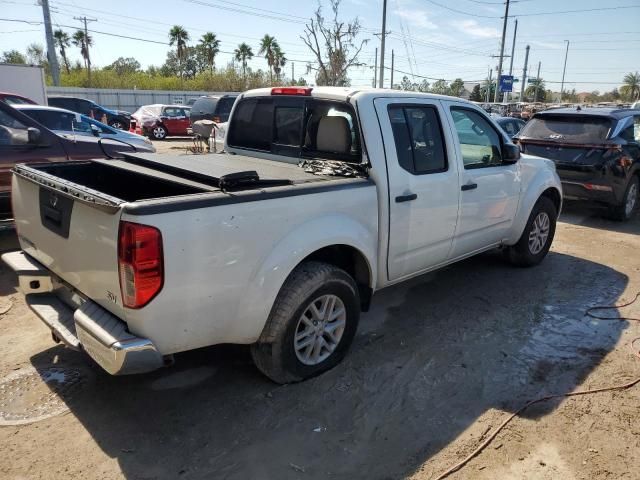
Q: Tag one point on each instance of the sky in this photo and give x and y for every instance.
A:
(430, 38)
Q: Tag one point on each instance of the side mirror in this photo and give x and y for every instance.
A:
(95, 130)
(33, 136)
(510, 153)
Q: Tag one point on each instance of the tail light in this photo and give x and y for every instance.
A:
(140, 263)
(304, 91)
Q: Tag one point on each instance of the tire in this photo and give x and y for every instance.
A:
(158, 133)
(630, 201)
(527, 252)
(117, 124)
(311, 283)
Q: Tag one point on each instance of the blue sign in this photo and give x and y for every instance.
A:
(506, 83)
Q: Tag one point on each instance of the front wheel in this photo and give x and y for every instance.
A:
(629, 205)
(158, 132)
(311, 325)
(535, 242)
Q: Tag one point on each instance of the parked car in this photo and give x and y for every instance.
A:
(15, 99)
(510, 125)
(596, 152)
(66, 122)
(212, 107)
(281, 242)
(161, 121)
(24, 140)
(114, 118)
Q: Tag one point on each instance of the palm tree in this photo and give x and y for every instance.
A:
(279, 61)
(268, 47)
(242, 54)
(631, 86)
(211, 46)
(62, 41)
(179, 36)
(83, 42)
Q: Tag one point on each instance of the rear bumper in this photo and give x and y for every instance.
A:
(80, 323)
(594, 192)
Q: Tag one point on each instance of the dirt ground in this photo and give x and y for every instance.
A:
(436, 365)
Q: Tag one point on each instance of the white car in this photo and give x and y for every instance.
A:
(324, 197)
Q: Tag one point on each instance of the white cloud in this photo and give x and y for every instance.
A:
(417, 18)
(471, 27)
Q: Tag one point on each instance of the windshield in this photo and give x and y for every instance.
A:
(567, 129)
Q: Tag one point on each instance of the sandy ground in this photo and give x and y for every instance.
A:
(437, 363)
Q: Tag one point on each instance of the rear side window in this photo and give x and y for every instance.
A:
(252, 124)
(418, 138)
(225, 105)
(205, 106)
(567, 128)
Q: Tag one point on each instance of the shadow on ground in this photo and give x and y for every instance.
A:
(585, 215)
(430, 358)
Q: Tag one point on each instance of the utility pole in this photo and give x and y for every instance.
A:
(566, 54)
(51, 46)
(375, 69)
(535, 98)
(513, 51)
(86, 40)
(392, 68)
(293, 74)
(504, 33)
(382, 38)
(490, 85)
(524, 74)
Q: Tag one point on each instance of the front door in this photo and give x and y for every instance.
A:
(423, 184)
(490, 189)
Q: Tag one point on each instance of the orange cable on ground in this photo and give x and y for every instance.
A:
(624, 386)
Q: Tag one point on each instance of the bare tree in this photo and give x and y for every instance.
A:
(334, 45)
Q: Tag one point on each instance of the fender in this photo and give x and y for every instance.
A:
(535, 181)
(307, 238)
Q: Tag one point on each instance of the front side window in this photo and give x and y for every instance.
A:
(480, 143)
(12, 131)
(418, 138)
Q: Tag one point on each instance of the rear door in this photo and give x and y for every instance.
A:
(423, 184)
(489, 188)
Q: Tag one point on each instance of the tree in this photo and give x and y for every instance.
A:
(123, 66)
(456, 88)
(179, 37)
(424, 86)
(187, 67)
(268, 48)
(62, 41)
(83, 42)
(476, 96)
(333, 44)
(536, 91)
(13, 56)
(631, 87)
(440, 87)
(35, 54)
(210, 46)
(242, 54)
(406, 84)
(279, 61)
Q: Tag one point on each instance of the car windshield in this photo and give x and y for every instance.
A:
(567, 129)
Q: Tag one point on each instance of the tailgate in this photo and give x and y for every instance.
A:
(74, 233)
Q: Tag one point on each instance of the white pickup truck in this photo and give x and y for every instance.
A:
(324, 196)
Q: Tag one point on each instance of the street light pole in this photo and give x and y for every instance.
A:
(382, 38)
(564, 70)
(504, 33)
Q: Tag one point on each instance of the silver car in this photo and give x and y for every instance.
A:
(66, 123)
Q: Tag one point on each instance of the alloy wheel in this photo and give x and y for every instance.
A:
(320, 329)
(539, 233)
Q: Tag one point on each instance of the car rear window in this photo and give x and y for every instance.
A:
(567, 129)
(205, 105)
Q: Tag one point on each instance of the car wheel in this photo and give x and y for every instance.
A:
(311, 325)
(158, 132)
(536, 239)
(117, 124)
(629, 205)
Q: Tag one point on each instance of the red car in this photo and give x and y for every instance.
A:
(160, 121)
(15, 99)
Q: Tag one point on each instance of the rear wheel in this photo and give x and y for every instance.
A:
(536, 239)
(158, 133)
(311, 325)
(625, 210)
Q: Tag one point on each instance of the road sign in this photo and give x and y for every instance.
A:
(506, 83)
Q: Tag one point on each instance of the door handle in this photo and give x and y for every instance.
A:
(469, 186)
(406, 198)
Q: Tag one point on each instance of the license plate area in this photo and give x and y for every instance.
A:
(55, 211)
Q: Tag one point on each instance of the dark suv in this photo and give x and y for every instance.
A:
(114, 118)
(211, 107)
(596, 152)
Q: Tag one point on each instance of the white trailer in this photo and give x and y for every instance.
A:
(25, 80)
